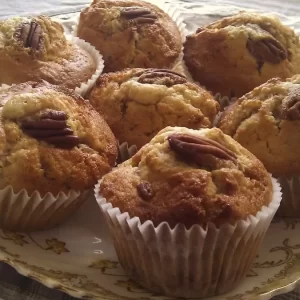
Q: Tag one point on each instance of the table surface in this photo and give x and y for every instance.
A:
(17, 287)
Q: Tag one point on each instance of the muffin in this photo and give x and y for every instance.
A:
(137, 103)
(184, 207)
(238, 53)
(266, 121)
(130, 34)
(54, 147)
(32, 49)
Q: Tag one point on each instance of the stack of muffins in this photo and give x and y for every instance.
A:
(189, 210)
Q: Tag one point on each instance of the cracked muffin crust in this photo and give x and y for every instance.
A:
(51, 140)
(130, 34)
(138, 103)
(266, 121)
(238, 53)
(190, 177)
(32, 49)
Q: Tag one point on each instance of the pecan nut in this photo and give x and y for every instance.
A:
(138, 15)
(162, 77)
(192, 148)
(30, 35)
(145, 190)
(51, 127)
(267, 50)
(291, 106)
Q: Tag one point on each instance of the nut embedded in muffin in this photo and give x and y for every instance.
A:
(186, 205)
(130, 34)
(32, 49)
(51, 127)
(238, 53)
(137, 103)
(30, 35)
(266, 121)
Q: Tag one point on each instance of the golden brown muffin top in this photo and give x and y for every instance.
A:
(258, 26)
(51, 140)
(137, 103)
(240, 52)
(34, 38)
(266, 121)
(33, 49)
(130, 33)
(191, 177)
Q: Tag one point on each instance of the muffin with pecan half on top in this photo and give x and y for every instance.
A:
(53, 148)
(234, 55)
(266, 121)
(188, 211)
(130, 34)
(36, 48)
(137, 103)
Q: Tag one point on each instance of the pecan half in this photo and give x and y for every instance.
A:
(138, 15)
(291, 105)
(51, 127)
(145, 190)
(192, 148)
(267, 50)
(30, 35)
(162, 77)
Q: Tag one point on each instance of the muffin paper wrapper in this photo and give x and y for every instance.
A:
(290, 204)
(21, 212)
(4, 86)
(171, 10)
(175, 14)
(98, 60)
(125, 152)
(199, 262)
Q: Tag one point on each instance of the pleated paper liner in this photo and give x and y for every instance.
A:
(199, 262)
(98, 61)
(290, 204)
(125, 152)
(27, 213)
(171, 10)
(4, 86)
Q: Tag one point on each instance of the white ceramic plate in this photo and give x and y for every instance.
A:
(79, 259)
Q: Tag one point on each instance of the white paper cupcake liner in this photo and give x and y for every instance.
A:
(99, 63)
(175, 15)
(224, 101)
(4, 86)
(171, 10)
(290, 204)
(21, 212)
(199, 262)
(125, 152)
